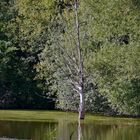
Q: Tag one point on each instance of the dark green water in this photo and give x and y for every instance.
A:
(64, 130)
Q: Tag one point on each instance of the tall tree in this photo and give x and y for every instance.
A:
(79, 86)
(65, 47)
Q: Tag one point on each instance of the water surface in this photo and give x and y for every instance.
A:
(69, 130)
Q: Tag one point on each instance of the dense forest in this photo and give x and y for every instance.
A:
(37, 39)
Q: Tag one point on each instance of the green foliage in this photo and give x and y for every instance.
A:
(23, 39)
(116, 70)
(114, 61)
(34, 65)
(110, 43)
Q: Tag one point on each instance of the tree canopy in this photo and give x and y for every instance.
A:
(37, 39)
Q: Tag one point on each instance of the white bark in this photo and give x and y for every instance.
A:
(81, 107)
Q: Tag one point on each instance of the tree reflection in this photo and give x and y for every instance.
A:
(79, 130)
(68, 130)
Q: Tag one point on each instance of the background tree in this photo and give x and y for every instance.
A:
(38, 57)
(26, 36)
(114, 61)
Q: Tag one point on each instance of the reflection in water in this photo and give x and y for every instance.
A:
(28, 130)
(100, 131)
(79, 130)
(65, 130)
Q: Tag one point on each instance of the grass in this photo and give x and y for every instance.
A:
(45, 116)
(31, 115)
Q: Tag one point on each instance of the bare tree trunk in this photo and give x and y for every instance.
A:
(80, 64)
(81, 107)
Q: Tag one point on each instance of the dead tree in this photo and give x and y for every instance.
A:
(74, 63)
(80, 85)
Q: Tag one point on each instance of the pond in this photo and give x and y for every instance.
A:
(70, 129)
